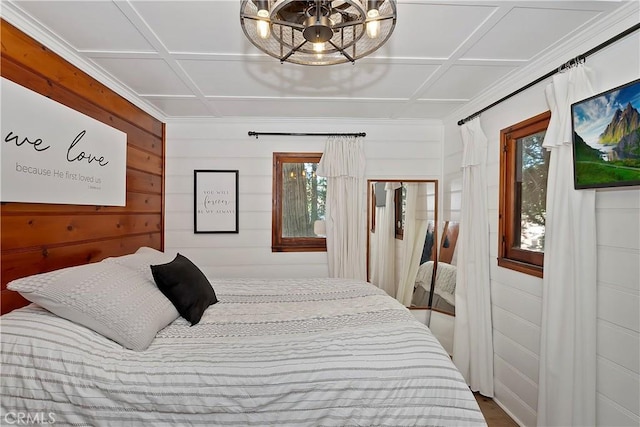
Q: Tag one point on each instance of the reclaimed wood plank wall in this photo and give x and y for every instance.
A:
(37, 238)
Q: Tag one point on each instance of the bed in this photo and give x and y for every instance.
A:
(444, 292)
(315, 352)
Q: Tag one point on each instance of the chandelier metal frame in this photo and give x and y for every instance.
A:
(318, 32)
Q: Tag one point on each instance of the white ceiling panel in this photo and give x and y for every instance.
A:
(88, 25)
(436, 30)
(190, 58)
(145, 76)
(176, 107)
(518, 35)
(272, 79)
(195, 26)
(307, 109)
(465, 81)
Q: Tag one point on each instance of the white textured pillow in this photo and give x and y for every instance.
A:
(142, 260)
(116, 301)
(148, 250)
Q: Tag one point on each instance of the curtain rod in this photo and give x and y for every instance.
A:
(578, 59)
(256, 134)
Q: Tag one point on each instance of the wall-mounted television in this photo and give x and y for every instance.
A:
(606, 138)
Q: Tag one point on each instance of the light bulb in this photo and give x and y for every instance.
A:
(262, 26)
(373, 27)
(318, 47)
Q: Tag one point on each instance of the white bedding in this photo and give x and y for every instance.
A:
(445, 285)
(319, 352)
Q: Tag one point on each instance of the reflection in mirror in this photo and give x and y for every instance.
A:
(443, 297)
(400, 213)
(422, 287)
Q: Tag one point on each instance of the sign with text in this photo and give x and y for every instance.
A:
(215, 201)
(51, 153)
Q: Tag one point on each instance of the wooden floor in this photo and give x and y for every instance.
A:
(494, 414)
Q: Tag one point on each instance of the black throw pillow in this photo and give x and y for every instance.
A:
(185, 286)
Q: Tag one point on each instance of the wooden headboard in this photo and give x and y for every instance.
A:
(37, 238)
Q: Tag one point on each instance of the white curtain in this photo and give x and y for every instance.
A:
(383, 248)
(415, 231)
(473, 340)
(567, 379)
(343, 165)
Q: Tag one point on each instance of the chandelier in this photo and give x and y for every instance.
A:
(318, 32)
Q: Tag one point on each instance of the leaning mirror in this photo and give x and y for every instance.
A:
(442, 301)
(401, 232)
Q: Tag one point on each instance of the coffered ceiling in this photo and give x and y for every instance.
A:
(191, 58)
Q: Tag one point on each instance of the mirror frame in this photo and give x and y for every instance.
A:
(446, 229)
(436, 246)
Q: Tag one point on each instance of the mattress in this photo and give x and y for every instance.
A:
(318, 352)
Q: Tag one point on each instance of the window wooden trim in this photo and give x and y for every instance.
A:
(290, 244)
(521, 260)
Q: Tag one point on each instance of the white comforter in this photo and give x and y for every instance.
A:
(445, 285)
(319, 352)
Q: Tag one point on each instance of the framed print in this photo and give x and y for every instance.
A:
(51, 153)
(215, 201)
(606, 138)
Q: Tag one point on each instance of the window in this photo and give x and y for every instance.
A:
(524, 165)
(298, 203)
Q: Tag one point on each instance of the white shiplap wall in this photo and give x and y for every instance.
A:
(393, 149)
(516, 297)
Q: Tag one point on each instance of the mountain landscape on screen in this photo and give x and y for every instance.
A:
(606, 141)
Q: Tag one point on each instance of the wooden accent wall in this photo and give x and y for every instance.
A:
(37, 238)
